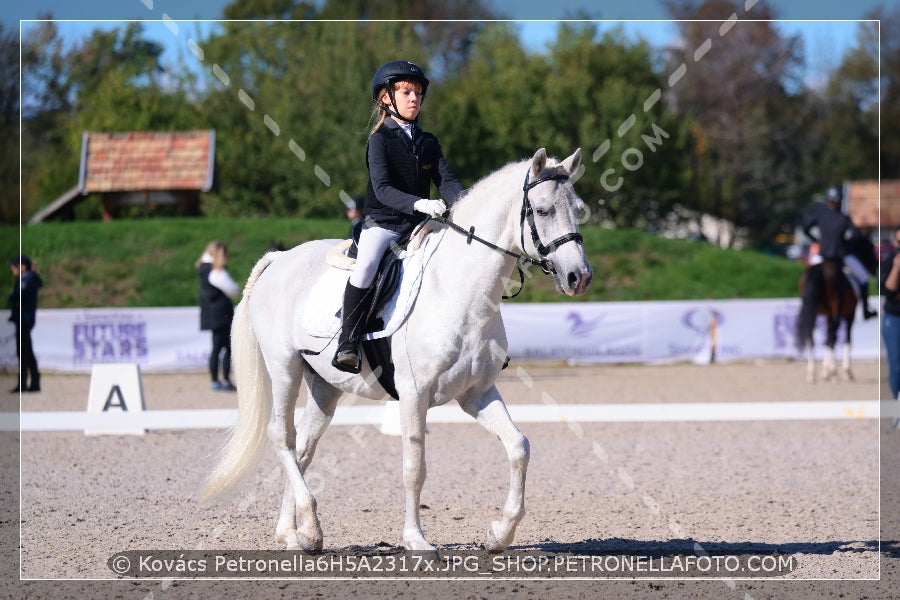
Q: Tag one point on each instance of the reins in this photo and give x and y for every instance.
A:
(526, 215)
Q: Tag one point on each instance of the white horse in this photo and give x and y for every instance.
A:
(451, 346)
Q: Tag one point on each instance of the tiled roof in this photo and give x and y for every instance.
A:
(147, 160)
(863, 202)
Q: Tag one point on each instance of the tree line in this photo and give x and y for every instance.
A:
(739, 135)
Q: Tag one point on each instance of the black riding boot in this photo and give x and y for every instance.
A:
(353, 320)
(864, 300)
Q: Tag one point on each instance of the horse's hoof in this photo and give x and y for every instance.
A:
(310, 546)
(288, 538)
(495, 542)
(418, 546)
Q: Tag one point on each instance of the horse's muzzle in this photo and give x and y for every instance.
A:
(579, 280)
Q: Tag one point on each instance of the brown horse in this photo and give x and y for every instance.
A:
(825, 290)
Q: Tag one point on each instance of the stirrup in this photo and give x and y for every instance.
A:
(347, 358)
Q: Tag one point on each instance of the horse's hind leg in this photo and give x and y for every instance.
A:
(846, 367)
(286, 382)
(810, 362)
(320, 406)
(829, 364)
(490, 412)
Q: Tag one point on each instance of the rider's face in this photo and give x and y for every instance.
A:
(408, 97)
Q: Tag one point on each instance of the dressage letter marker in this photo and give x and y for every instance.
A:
(115, 388)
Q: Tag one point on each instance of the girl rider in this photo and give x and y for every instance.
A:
(402, 161)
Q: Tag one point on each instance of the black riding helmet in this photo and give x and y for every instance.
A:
(389, 73)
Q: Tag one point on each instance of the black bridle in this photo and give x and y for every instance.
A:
(526, 215)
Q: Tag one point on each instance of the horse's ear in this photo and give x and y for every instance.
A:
(538, 162)
(571, 163)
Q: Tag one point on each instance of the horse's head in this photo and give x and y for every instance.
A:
(551, 211)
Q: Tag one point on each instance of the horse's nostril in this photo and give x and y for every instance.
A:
(573, 279)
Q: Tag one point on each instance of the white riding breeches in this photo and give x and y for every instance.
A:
(373, 243)
(856, 269)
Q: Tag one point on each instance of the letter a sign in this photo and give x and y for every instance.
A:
(115, 388)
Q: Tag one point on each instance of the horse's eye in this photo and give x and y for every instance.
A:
(541, 212)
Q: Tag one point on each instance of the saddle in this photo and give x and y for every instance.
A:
(383, 308)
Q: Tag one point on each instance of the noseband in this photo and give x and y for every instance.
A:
(527, 214)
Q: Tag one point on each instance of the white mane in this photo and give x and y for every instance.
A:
(485, 191)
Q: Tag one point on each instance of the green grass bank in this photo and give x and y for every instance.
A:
(150, 263)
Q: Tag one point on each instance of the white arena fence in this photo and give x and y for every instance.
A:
(170, 340)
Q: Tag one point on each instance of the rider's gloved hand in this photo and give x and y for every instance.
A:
(432, 208)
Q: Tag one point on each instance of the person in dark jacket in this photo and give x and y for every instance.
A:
(403, 161)
(890, 320)
(836, 231)
(356, 215)
(23, 302)
(217, 288)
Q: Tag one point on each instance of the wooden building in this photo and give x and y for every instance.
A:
(873, 203)
(141, 168)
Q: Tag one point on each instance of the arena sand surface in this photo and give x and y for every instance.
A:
(805, 489)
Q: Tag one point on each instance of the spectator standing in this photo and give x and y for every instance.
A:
(217, 289)
(356, 215)
(890, 320)
(23, 302)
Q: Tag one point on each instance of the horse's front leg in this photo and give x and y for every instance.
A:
(412, 431)
(490, 412)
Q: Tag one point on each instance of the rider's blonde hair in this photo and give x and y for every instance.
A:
(379, 114)
(219, 252)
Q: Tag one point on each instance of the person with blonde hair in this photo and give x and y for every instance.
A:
(217, 289)
(403, 161)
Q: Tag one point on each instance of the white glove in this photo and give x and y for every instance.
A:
(432, 208)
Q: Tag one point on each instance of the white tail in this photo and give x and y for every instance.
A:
(244, 448)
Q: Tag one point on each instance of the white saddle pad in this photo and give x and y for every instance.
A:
(327, 295)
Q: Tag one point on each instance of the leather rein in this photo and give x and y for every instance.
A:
(526, 215)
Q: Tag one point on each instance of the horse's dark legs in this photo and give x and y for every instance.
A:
(847, 371)
(829, 364)
(810, 361)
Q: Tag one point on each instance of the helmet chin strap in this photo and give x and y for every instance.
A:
(395, 114)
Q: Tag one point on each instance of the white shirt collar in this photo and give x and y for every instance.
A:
(407, 128)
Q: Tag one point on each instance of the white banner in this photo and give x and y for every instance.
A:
(652, 332)
(169, 339)
(156, 339)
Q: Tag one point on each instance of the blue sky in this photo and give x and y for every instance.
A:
(827, 26)
(514, 9)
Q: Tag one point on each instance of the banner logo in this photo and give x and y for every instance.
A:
(109, 338)
(581, 327)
